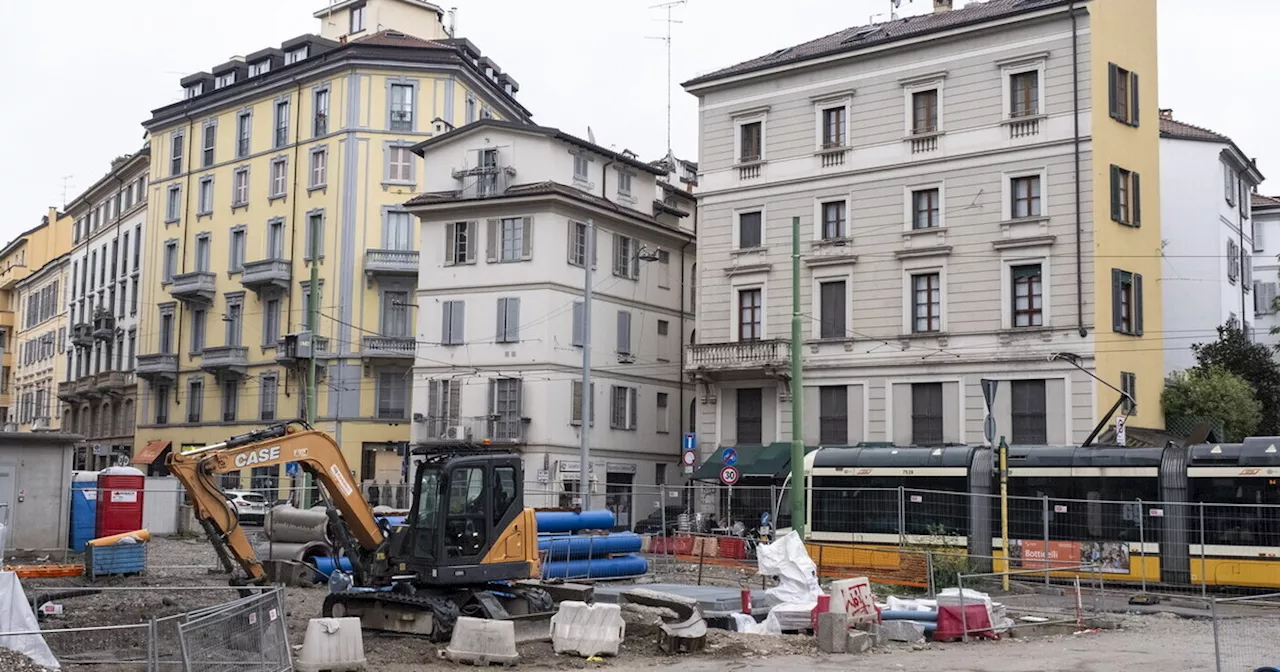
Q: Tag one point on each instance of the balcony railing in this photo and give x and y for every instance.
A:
(157, 367)
(228, 360)
(391, 262)
(104, 325)
(82, 334)
(67, 391)
(197, 287)
(742, 355)
(484, 181)
(476, 429)
(266, 274)
(388, 347)
(114, 381)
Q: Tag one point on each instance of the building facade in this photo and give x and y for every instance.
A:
(500, 319)
(308, 140)
(1266, 267)
(967, 190)
(40, 345)
(99, 391)
(1206, 189)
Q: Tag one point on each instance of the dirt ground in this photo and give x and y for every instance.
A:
(1151, 642)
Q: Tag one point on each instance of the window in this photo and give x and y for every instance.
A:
(832, 309)
(268, 397)
(275, 239)
(271, 322)
(512, 243)
(240, 187)
(1264, 297)
(170, 261)
(926, 210)
(624, 333)
(296, 55)
(175, 155)
(508, 320)
(230, 400)
(453, 323)
(1028, 296)
(580, 166)
(575, 403)
(1024, 94)
(133, 297)
(664, 327)
(459, 246)
(197, 330)
(398, 234)
(750, 420)
(162, 404)
(279, 177)
(1229, 184)
(234, 320)
(1124, 94)
(244, 128)
(357, 18)
(926, 309)
(622, 408)
(306, 297)
(259, 68)
(319, 167)
(471, 109)
(833, 220)
(624, 183)
(1126, 200)
(833, 127)
(1126, 302)
(751, 136)
(1030, 423)
(399, 164)
(926, 414)
(195, 400)
(1129, 386)
(236, 252)
(194, 90)
(395, 314)
(833, 415)
(750, 315)
(578, 244)
(320, 122)
(664, 414)
(750, 230)
(223, 81)
(393, 395)
(401, 107)
(210, 140)
(282, 124)
(924, 106)
(204, 206)
(173, 206)
(505, 403)
(1233, 261)
(1026, 196)
(578, 336)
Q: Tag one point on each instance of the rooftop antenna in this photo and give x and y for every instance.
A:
(670, 7)
(65, 180)
(591, 136)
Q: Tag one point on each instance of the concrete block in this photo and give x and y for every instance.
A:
(684, 607)
(833, 628)
(903, 631)
(873, 631)
(335, 644)
(482, 642)
(587, 629)
(854, 597)
(857, 641)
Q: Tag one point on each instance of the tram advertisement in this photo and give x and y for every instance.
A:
(1111, 557)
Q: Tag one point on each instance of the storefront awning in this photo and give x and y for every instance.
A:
(771, 461)
(151, 451)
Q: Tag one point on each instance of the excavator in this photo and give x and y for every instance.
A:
(468, 546)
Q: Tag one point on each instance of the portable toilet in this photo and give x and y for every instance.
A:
(84, 506)
(119, 507)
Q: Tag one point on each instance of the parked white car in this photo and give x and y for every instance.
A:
(250, 506)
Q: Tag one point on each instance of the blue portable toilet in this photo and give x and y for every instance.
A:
(84, 508)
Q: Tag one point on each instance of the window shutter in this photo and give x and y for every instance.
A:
(501, 335)
(527, 238)
(433, 399)
(473, 238)
(635, 261)
(579, 335)
(624, 332)
(491, 241)
(445, 319)
(1116, 215)
(573, 240)
(595, 246)
(457, 322)
(575, 402)
(1117, 289)
(1259, 243)
(634, 395)
(1137, 303)
(513, 320)
(493, 396)
(1269, 306)
(449, 234)
(1258, 299)
(520, 397)
(1133, 96)
(1135, 195)
(455, 400)
(1111, 91)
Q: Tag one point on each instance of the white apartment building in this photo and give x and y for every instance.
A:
(39, 345)
(1206, 186)
(1266, 267)
(99, 393)
(500, 318)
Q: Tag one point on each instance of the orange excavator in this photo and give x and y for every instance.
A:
(468, 546)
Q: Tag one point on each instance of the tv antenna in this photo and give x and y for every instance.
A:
(66, 179)
(670, 21)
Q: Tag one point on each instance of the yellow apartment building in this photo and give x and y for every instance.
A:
(40, 344)
(264, 152)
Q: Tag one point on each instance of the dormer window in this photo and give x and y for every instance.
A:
(195, 90)
(259, 68)
(295, 55)
(224, 80)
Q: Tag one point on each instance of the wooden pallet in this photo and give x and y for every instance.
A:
(45, 571)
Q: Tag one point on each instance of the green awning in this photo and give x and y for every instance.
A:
(754, 461)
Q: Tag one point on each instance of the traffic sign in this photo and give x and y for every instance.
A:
(729, 475)
(989, 428)
(729, 456)
(689, 458)
(690, 441)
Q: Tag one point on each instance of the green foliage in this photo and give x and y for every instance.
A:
(1215, 395)
(1234, 353)
(948, 561)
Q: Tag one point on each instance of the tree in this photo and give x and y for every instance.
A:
(1213, 395)
(1252, 362)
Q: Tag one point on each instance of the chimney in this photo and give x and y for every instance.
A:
(940, 6)
(1166, 113)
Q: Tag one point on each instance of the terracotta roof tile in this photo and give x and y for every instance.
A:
(1260, 201)
(1172, 128)
(395, 38)
(535, 189)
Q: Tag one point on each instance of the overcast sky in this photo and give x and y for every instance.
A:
(80, 76)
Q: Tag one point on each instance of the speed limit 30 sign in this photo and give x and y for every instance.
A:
(729, 475)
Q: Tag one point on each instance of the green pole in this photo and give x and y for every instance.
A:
(797, 390)
(312, 326)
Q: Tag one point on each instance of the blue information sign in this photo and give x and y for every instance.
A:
(690, 441)
(729, 456)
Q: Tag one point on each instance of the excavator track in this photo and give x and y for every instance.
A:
(396, 612)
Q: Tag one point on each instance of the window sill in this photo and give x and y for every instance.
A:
(761, 250)
(280, 197)
(923, 335)
(583, 183)
(923, 136)
(168, 222)
(318, 187)
(387, 184)
(239, 206)
(1010, 120)
(202, 215)
(918, 252)
(908, 233)
(451, 264)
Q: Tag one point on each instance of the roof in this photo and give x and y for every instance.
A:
(1260, 201)
(534, 189)
(1172, 128)
(858, 38)
(395, 38)
(129, 164)
(771, 461)
(1140, 437)
(547, 131)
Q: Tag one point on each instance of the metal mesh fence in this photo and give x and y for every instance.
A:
(1245, 633)
(247, 635)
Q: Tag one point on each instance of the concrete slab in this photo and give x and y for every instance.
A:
(712, 599)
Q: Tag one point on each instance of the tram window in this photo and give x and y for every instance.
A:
(1237, 511)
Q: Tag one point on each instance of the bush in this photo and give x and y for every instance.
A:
(1216, 395)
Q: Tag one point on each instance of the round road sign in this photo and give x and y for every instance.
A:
(729, 475)
(689, 458)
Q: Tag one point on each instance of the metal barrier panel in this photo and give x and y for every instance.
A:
(1245, 632)
(247, 635)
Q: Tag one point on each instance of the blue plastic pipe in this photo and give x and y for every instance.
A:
(598, 568)
(579, 547)
(900, 615)
(560, 522)
(324, 567)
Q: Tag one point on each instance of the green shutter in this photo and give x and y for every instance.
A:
(1116, 214)
(1133, 99)
(1111, 91)
(1137, 303)
(1117, 317)
(1135, 195)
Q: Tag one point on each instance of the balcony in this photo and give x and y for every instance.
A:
(394, 348)
(67, 392)
(391, 262)
(87, 388)
(104, 325)
(295, 348)
(479, 429)
(12, 273)
(114, 382)
(158, 368)
(484, 181)
(230, 361)
(267, 274)
(197, 287)
(82, 335)
(743, 356)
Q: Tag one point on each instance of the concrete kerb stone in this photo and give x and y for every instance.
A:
(482, 642)
(587, 630)
(903, 631)
(857, 641)
(833, 629)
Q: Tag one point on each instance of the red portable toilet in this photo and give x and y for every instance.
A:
(120, 492)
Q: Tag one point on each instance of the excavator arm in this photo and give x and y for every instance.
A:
(279, 444)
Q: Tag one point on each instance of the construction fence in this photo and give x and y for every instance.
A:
(1245, 632)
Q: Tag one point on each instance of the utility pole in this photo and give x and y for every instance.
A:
(797, 389)
(584, 455)
(313, 313)
(669, 6)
